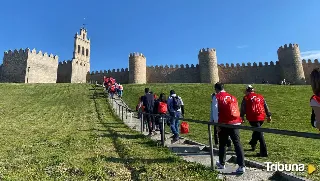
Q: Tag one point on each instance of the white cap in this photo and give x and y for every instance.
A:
(249, 87)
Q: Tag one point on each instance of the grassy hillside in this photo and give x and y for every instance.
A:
(289, 105)
(58, 132)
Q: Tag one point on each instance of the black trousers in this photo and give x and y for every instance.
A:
(223, 139)
(150, 120)
(258, 136)
(216, 138)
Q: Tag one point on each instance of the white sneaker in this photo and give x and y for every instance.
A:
(220, 166)
(241, 170)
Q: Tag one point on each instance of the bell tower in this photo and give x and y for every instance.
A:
(82, 48)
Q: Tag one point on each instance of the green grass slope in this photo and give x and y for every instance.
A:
(58, 132)
(289, 105)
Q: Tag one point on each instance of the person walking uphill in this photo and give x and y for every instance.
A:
(315, 99)
(256, 109)
(148, 103)
(225, 110)
(176, 110)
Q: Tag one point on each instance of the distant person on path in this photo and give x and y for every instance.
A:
(176, 110)
(256, 109)
(112, 91)
(148, 103)
(215, 131)
(120, 90)
(226, 111)
(315, 99)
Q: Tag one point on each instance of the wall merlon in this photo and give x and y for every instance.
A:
(187, 66)
(118, 70)
(277, 62)
(288, 46)
(127, 70)
(113, 70)
(203, 50)
(304, 61)
(166, 66)
(222, 65)
(192, 66)
(176, 66)
(316, 61)
(101, 72)
(254, 64)
(266, 63)
(248, 64)
(238, 65)
(136, 54)
(181, 66)
(122, 69)
(171, 66)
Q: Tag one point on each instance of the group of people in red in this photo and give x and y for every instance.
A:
(225, 110)
(112, 87)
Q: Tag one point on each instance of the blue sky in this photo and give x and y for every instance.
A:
(166, 32)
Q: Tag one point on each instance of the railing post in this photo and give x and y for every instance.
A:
(162, 130)
(141, 119)
(119, 110)
(122, 112)
(211, 146)
(126, 113)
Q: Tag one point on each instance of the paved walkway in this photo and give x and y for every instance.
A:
(195, 153)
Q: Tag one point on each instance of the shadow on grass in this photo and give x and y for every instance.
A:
(125, 136)
(130, 160)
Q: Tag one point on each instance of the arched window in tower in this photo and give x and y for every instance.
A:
(79, 48)
(84, 36)
(87, 52)
(82, 50)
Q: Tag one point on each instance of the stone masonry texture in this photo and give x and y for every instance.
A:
(30, 66)
(208, 66)
(288, 66)
(26, 66)
(137, 68)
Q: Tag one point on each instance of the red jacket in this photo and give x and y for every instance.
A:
(228, 110)
(316, 98)
(254, 107)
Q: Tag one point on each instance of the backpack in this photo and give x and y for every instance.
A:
(176, 101)
(256, 105)
(184, 127)
(162, 108)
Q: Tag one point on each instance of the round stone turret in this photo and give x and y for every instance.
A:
(290, 64)
(208, 66)
(137, 68)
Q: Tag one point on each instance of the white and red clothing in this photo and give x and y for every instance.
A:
(220, 111)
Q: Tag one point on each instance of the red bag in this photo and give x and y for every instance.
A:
(162, 108)
(184, 127)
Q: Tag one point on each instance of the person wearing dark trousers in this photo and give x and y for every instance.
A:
(216, 139)
(215, 132)
(225, 110)
(148, 103)
(256, 109)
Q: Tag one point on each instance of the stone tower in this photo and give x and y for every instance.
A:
(208, 66)
(290, 64)
(82, 48)
(137, 68)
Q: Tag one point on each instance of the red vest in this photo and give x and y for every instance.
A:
(228, 110)
(316, 98)
(255, 107)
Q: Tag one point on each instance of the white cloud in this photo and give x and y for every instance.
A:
(242, 46)
(314, 54)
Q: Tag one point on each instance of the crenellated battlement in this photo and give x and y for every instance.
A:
(27, 52)
(208, 50)
(171, 67)
(288, 47)
(249, 64)
(136, 54)
(309, 61)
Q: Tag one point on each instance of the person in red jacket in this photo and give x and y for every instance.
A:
(256, 109)
(225, 110)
